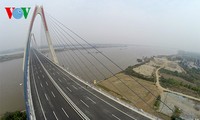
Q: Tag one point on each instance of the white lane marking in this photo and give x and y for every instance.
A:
(55, 115)
(38, 77)
(43, 76)
(84, 103)
(74, 87)
(103, 99)
(46, 96)
(75, 82)
(53, 94)
(77, 110)
(47, 84)
(59, 80)
(91, 100)
(65, 112)
(116, 117)
(41, 85)
(69, 89)
(38, 97)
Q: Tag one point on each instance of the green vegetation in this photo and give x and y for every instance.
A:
(157, 103)
(175, 73)
(17, 115)
(174, 83)
(192, 74)
(176, 114)
(129, 71)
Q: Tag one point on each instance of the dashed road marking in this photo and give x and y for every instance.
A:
(85, 104)
(116, 117)
(41, 85)
(65, 112)
(59, 80)
(55, 115)
(74, 87)
(53, 94)
(91, 100)
(47, 84)
(69, 89)
(46, 96)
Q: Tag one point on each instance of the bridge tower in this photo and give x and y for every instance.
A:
(27, 94)
(39, 10)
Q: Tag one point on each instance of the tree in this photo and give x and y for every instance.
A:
(176, 114)
(17, 115)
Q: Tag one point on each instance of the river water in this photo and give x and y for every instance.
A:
(11, 75)
(11, 93)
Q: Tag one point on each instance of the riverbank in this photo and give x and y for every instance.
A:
(147, 74)
(11, 93)
(11, 57)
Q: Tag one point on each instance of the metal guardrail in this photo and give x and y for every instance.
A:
(26, 77)
(114, 98)
(27, 88)
(71, 103)
(108, 95)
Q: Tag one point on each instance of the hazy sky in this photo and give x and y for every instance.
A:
(167, 23)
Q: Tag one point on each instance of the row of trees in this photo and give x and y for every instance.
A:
(131, 72)
(170, 82)
(191, 75)
(157, 102)
(14, 116)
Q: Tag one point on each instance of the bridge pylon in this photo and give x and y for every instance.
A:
(39, 10)
(27, 94)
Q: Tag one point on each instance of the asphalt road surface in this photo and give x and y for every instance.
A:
(50, 85)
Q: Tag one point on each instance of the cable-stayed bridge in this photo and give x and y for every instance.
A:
(53, 93)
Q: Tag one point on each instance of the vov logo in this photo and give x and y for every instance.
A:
(17, 13)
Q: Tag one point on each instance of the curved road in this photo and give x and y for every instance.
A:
(52, 90)
(161, 89)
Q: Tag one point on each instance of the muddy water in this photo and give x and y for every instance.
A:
(11, 93)
(11, 75)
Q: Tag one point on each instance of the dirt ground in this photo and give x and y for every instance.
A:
(129, 90)
(190, 109)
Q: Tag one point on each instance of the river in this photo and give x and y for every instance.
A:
(11, 75)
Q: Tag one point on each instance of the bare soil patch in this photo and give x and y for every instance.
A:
(115, 87)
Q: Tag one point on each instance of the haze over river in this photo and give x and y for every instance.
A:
(11, 75)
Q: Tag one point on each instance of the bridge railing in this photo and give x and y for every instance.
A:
(27, 88)
(107, 94)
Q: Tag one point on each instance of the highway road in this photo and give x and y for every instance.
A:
(52, 88)
(48, 103)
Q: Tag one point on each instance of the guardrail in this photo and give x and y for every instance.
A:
(106, 94)
(114, 98)
(78, 111)
(27, 88)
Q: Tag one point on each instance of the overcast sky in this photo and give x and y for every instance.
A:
(167, 23)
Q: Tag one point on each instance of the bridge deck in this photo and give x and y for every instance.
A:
(49, 103)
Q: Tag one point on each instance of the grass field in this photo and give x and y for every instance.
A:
(132, 92)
